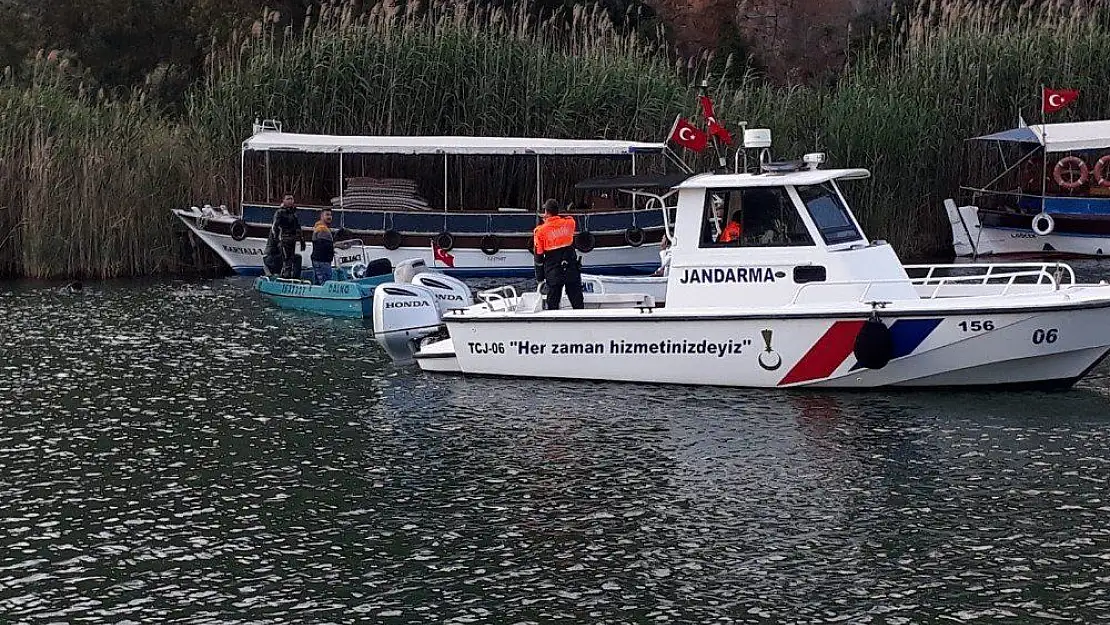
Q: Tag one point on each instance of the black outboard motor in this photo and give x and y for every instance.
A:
(874, 344)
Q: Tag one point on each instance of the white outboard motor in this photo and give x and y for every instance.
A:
(450, 293)
(404, 314)
(406, 270)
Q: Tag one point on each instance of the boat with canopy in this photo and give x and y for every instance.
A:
(1051, 197)
(485, 195)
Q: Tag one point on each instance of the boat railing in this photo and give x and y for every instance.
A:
(1050, 275)
(1056, 274)
(500, 299)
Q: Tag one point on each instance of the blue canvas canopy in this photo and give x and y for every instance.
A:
(1058, 137)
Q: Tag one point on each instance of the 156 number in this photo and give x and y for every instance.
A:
(977, 326)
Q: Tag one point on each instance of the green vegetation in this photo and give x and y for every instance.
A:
(87, 178)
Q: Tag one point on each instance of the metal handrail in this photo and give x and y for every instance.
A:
(1042, 274)
(989, 271)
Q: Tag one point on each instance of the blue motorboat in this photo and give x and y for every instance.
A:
(349, 293)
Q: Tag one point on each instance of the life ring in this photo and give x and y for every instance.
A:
(585, 241)
(445, 241)
(1044, 224)
(1102, 177)
(391, 240)
(874, 347)
(490, 244)
(634, 236)
(1067, 165)
(238, 229)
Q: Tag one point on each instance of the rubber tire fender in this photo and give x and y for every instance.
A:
(585, 241)
(238, 230)
(445, 241)
(634, 236)
(490, 244)
(391, 240)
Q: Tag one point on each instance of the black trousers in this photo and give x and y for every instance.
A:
(562, 271)
(290, 260)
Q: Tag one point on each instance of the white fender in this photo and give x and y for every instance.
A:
(1043, 224)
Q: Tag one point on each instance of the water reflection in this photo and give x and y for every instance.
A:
(176, 452)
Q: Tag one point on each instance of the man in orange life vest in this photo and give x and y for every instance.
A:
(556, 260)
(733, 231)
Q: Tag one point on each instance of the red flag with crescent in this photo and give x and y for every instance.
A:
(442, 255)
(1058, 99)
(688, 135)
(716, 128)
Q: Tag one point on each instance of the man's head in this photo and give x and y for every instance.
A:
(325, 216)
(287, 201)
(551, 207)
(737, 217)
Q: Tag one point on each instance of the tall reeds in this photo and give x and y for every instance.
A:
(87, 181)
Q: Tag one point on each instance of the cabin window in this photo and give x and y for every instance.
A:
(829, 214)
(752, 217)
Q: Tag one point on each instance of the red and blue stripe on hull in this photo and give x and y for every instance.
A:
(834, 347)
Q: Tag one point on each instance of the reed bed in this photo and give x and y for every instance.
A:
(87, 181)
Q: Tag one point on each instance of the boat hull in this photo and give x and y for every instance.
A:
(333, 298)
(244, 257)
(939, 349)
(976, 232)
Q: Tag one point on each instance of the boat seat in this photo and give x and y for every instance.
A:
(529, 303)
(617, 300)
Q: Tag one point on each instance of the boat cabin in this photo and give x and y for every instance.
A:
(774, 239)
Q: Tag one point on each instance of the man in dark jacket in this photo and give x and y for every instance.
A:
(288, 229)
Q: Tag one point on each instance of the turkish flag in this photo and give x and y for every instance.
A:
(442, 255)
(716, 128)
(688, 135)
(1057, 99)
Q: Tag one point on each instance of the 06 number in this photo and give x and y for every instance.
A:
(1042, 336)
(977, 326)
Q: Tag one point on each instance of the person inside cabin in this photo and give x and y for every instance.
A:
(288, 229)
(664, 257)
(733, 231)
(556, 260)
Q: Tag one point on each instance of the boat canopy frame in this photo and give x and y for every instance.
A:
(1057, 138)
(268, 137)
(1046, 139)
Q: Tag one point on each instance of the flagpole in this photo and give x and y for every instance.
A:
(1044, 149)
(722, 162)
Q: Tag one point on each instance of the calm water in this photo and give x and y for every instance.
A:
(175, 452)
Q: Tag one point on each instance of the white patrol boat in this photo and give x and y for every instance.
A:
(802, 299)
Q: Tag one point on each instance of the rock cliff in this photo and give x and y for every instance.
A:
(795, 40)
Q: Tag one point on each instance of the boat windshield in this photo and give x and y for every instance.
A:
(829, 214)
